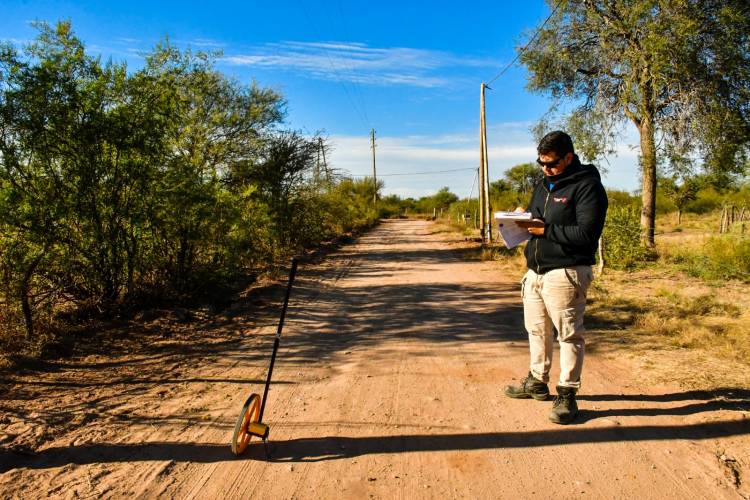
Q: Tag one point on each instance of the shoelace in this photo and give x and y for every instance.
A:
(560, 398)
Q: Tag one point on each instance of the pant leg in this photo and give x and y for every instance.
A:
(564, 294)
(538, 325)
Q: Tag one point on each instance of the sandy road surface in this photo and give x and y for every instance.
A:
(388, 385)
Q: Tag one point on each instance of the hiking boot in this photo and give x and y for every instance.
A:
(565, 409)
(530, 387)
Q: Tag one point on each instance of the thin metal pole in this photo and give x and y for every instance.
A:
(289, 284)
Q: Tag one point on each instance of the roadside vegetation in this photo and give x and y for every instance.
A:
(122, 190)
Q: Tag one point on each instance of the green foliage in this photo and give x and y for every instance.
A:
(706, 200)
(622, 238)
(464, 211)
(622, 198)
(350, 205)
(523, 177)
(167, 183)
(439, 201)
(680, 193)
(723, 257)
(390, 206)
(740, 197)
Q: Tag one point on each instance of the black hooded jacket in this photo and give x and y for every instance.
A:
(573, 206)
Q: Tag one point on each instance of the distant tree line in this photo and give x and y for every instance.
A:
(123, 188)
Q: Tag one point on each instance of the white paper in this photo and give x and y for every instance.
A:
(510, 232)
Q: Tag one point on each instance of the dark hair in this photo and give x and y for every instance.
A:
(557, 141)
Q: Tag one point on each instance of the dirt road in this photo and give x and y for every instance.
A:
(388, 384)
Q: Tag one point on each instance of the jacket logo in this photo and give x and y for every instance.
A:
(562, 199)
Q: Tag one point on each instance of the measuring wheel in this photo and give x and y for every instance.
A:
(246, 425)
(249, 422)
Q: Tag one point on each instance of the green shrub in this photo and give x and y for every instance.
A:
(623, 199)
(706, 200)
(509, 200)
(741, 196)
(622, 239)
(723, 257)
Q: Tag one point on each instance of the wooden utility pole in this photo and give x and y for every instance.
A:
(485, 221)
(374, 170)
(317, 168)
(481, 165)
(322, 151)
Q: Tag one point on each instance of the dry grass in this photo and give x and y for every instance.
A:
(681, 328)
(690, 223)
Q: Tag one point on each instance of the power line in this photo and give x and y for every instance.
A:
(473, 182)
(355, 80)
(417, 173)
(525, 47)
(333, 66)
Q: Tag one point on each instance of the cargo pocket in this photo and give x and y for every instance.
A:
(573, 278)
(523, 285)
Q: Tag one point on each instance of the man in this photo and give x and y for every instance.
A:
(568, 208)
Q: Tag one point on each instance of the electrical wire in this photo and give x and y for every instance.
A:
(355, 80)
(525, 47)
(417, 173)
(333, 66)
(474, 182)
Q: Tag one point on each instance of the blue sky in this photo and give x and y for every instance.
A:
(411, 70)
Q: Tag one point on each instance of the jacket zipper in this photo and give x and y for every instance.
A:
(536, 242)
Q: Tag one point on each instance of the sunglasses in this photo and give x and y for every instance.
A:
(549, 164)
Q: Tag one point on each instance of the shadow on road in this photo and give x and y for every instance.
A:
(338, 447)
(727, 399)
(324, 321)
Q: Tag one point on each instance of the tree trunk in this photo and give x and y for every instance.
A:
(648, 171)
(24, 296)
(679, 216)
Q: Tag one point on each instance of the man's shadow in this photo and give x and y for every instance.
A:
(727, 399)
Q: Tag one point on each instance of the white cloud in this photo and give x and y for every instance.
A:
(126, 40)
(357, 62)
(207, 42)
(508, 144)
(18, 42)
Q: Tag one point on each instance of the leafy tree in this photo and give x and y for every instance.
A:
(678, 70)
(680, 192)
(117, 187)
(443, 198)
(498, 187)
(440, 200)
(523, 177)
(78, 142)
(284, 162)
(216, 126)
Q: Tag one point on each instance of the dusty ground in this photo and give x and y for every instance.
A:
(388, 384)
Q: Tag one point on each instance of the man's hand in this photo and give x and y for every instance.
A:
(534, 226)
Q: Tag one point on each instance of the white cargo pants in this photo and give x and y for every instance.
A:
(556, 298)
